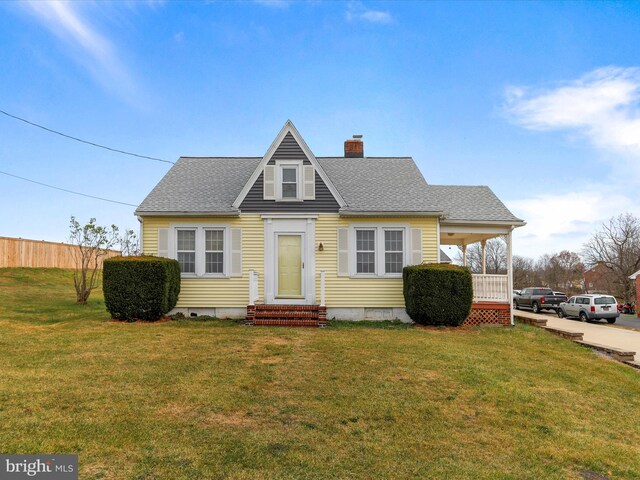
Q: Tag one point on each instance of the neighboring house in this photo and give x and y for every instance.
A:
(289, 232)
(444, 258)
(599, 279)
(636, 277)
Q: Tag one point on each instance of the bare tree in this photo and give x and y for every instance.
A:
(562, 271)
(495, 254)
(524, 272)
(617, 246)
(90, 244)
(129, 243)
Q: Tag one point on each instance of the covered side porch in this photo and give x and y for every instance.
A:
(492, 292)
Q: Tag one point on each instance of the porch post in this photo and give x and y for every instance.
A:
(464, 254)
(510, 273)
(484, 256)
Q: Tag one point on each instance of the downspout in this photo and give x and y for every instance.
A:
(141, 233)
(438, 238)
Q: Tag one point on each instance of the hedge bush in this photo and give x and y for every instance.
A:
(140, 288)
(437, 294)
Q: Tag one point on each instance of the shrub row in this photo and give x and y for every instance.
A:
(437, 293)
(140, 288)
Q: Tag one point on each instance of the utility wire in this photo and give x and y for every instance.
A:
(65, 190)
(84, 141)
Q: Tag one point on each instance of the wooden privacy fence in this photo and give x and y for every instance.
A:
(20, 252)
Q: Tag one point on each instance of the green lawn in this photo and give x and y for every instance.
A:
(204, 400)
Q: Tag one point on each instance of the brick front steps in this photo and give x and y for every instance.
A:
(287, 315)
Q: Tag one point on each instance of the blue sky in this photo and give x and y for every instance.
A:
(540, 101)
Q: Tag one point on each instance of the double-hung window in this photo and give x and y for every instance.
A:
(290, 182)
(366, 251)
(214, 251)
(379, 250)
(393, 251)
(186, 250)
(206, 250)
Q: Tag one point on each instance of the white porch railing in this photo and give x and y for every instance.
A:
(491, 288)
(253, 287)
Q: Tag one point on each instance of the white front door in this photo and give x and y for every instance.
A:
(289, 263)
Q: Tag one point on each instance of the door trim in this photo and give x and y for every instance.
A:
(307, 228)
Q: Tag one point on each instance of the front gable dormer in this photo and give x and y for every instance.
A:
(289, 175)
(289, 178)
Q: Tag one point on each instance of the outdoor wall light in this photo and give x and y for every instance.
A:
(320, 247)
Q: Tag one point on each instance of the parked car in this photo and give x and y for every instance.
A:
(562, 294)
(590, 307)
(537, 299)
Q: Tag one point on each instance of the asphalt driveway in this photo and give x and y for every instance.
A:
(631, 321)
(594, 332)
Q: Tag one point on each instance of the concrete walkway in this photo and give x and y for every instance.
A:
(594, 333)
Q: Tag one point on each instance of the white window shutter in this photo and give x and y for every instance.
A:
(236, 252)
(309, 182)
(416, 246)
(343, 252)
(163, 242)
(269, 181)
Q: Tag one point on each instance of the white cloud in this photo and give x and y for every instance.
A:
(87, 45)
(357, 11)
(566, 220)
(603, 105)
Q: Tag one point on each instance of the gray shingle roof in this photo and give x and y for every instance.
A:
(471, 203)
(206, 185)
(371, 184)
(444, 258)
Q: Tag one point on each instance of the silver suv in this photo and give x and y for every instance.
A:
(590, 307)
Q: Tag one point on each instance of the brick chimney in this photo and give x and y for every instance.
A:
(354, 148)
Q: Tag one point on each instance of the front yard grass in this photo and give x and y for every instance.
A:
(203, 400)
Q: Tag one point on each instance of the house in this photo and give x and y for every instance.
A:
(293, 236)
(599, 279)
(636, 277)
(444, 258)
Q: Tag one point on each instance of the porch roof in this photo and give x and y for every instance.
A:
(465, 203)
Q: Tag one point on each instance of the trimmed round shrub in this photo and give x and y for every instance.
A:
(437, 293)
(140, 288)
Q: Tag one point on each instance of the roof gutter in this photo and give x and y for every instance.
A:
(356, 213)
(512, 223)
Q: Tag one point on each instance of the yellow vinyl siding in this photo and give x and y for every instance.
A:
(365, 292)
(340, 291)
(216, 292)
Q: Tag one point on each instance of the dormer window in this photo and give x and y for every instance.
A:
(289, 182)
